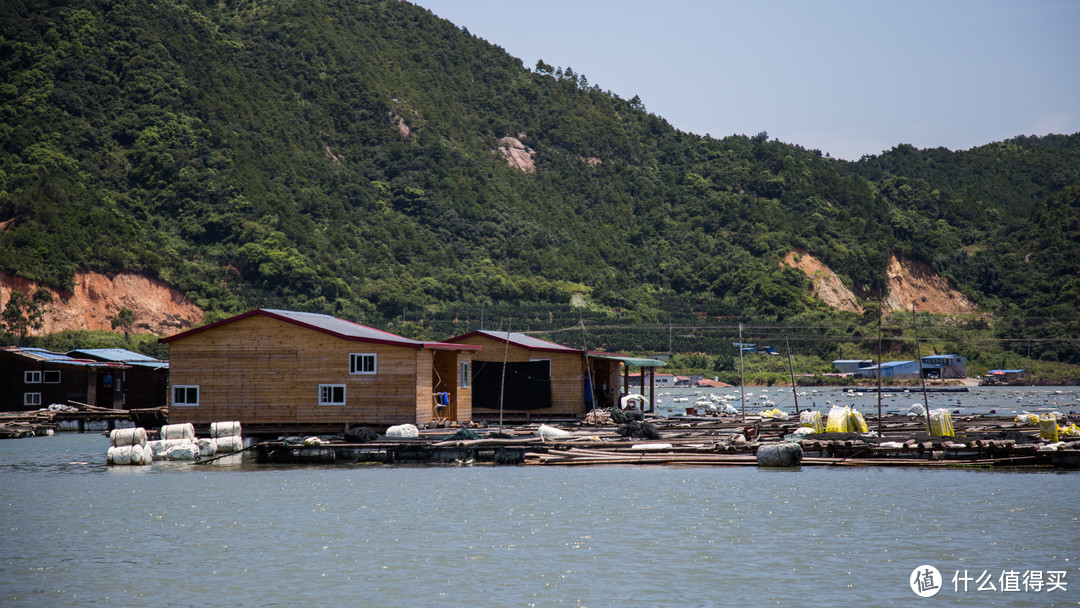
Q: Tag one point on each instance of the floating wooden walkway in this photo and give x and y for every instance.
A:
(980, 441)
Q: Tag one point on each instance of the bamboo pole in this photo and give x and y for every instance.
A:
(791, 370)
(879, 366)
(742, 378)
(922, 379)
(502, 381)
(588, 367)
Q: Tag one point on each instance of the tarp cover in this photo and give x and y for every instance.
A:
(527, 385)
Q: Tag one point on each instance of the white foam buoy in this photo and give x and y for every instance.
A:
(403, 431)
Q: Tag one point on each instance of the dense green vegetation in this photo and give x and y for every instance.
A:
(254, 154)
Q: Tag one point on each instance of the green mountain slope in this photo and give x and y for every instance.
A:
(343, 157)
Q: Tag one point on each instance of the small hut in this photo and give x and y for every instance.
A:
(33, 378)
(144, 382)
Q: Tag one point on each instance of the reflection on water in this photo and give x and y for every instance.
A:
(241, 533)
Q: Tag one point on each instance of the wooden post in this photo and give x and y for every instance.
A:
(588, 368)
(791, 370)
(742, 379)
(879, 366)
(922, 380)
(652, 392)
(502, 382)
(643, 393)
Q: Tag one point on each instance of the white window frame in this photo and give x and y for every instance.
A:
(465, 379)
(32, 399)
(186, 388)
(32, 376)
(357, 360)
(325, 394)
(45, 376)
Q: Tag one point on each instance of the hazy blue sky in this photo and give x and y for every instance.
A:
(847, 77)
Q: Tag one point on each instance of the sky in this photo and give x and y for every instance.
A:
(849, 78)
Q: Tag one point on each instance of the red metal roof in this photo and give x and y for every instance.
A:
(339, 328)
(521, 340)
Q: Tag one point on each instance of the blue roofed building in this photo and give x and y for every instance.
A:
(852, 366)
(945, 366)
(145, 380)
(896, 370)
(33, 378)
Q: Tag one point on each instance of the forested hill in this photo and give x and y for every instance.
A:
(352, 158)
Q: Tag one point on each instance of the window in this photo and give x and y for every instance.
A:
(52, 376)
(362, 363)
(185, 395)
(465, 374)
(331, 394)
(32, 377)
(32, 399)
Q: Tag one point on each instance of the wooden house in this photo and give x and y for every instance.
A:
(144, 381)
(546, 380)
(541, 378)
(33, 378)
(280, 370)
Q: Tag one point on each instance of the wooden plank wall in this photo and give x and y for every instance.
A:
(446, 377)
(260, 370)
(422, 397)
(463, 395)
(567, 375)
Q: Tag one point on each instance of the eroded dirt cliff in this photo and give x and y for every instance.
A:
(156, 307)
(909, 283)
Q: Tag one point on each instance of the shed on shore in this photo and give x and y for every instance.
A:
(279, 369)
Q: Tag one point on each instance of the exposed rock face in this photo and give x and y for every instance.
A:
(909, 282)
(400, 122)
(827, 285)
(913, 282)
(156, 307)
(517, 154)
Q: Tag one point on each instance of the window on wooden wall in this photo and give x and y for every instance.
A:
(331, 394)
(32, 399)
(362, 363)
(51, 376)
(185, 395)
(465, 374)
(32, 377)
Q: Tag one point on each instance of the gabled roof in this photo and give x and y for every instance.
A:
(890, 364)
(40, 354)
(521, 340)
(112, 354)
(120, 355)
(339, 328)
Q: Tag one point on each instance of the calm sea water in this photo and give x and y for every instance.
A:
(1002, 400)
(79, 533)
